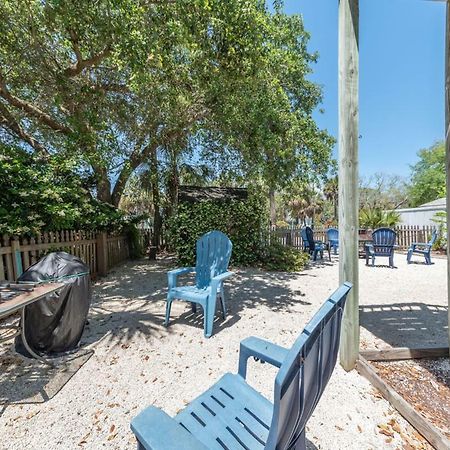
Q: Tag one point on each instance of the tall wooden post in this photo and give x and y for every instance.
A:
(447, 149)
(348, 175)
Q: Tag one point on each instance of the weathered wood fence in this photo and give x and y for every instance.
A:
(100, 251)
(406, 235)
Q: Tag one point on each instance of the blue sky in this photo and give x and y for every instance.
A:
(401, 76)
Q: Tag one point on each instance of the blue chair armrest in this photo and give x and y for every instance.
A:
(215, 281)
(173, 274)
(369, 248)
(155, 430)
(263, 350)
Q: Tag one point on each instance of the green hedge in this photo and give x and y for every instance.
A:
(244, 222)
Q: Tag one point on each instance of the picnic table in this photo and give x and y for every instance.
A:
(14, 298)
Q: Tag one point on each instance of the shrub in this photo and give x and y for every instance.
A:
(284, 259)
(375, 218)
(48, 195)
(244, 222)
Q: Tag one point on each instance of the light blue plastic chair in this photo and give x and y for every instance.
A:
(333, 239)
(232, 415)
(213, 255)
(422, 249)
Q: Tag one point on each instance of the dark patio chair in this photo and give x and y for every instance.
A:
(422, 248)
(333, 239)
(315, 247)
(383, 244)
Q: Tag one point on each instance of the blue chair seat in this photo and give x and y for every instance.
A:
(190, 293)
(230, 412)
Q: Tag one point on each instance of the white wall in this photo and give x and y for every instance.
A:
(418, 216)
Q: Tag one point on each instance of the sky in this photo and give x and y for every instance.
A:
(402, 48)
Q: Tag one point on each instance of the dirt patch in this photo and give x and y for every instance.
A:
(424, 384)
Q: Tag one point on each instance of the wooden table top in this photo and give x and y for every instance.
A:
(9, 306)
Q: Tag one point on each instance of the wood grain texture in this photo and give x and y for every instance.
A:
(425, 428)
(348, 174)
(447, 147)
(8, 307)
(402, 353)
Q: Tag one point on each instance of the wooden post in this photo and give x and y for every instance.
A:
(348, 175)
(102, 253)
(447, 149)
(16, 258)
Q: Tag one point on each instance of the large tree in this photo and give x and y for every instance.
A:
(428, 175)
(120, 84)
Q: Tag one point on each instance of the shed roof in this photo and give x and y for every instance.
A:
(436, 203)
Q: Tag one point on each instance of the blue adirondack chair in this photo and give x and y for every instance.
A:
(333, 239)
(213, 255)
(232, 415)
(383, 244)
(314, 247)
(304, 240)
(422, 248)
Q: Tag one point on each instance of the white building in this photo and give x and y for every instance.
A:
(423, 214)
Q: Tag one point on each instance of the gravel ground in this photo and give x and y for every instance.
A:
(137, 362)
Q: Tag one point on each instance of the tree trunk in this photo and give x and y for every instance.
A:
(273, 209)
(157, 219)
(173, 184)
(103, 185)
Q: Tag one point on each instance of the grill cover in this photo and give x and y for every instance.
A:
(55, 324)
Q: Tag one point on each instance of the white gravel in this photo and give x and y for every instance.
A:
(137, 362)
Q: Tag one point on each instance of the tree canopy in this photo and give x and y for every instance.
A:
(202, 90)
(428, 175)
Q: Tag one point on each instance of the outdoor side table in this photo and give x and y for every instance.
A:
(18, 303)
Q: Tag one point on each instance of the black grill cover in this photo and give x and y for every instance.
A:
(55, 324)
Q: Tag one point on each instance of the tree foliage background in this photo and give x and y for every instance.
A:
(124, 90)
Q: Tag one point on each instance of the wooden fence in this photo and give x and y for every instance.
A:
(100, 251)
(406, 235)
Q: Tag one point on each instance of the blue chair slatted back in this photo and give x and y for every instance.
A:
(305, 372)
(333, 234)
(304, 239)
(310, 238)
(213, 255)
(384, 240)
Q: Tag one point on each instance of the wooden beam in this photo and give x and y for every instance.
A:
(348, 175)
(434, 436)
(447, 149)
(402, 353)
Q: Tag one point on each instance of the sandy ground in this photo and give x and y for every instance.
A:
(137, 362)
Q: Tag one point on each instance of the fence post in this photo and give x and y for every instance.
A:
(102, 253)
(16, 257)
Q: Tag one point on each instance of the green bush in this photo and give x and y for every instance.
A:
(244, 222)
(284, 259)
(38, 195)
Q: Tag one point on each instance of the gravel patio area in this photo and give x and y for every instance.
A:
(137, 362)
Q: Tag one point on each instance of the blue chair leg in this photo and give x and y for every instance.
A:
(391, 261)
(373, 260)
(222, 302)
(168, 306)
(208, 316)
(408, 257)
(428, 259)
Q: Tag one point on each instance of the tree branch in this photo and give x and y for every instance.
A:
(31, 109)
(81, 64)
(8, 122)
